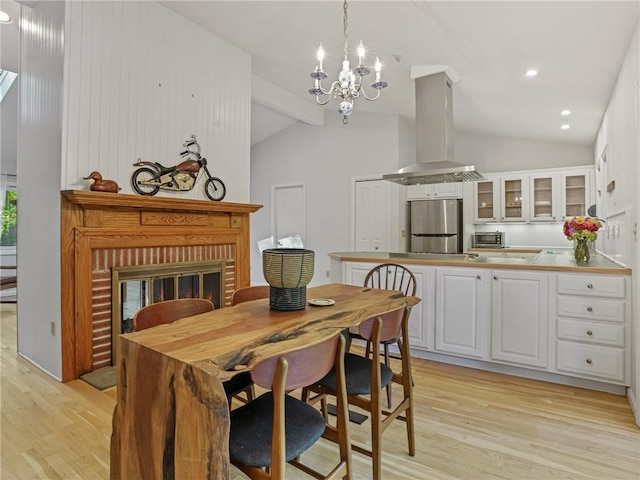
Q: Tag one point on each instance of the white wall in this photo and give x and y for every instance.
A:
(140, 80)
(492, 154)
(325, 159)
(39, 165)
(132, 79)
(620, 134)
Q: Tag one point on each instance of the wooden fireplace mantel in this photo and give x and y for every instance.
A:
(97, 220)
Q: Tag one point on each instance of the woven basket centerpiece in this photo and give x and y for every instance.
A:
(288, 271)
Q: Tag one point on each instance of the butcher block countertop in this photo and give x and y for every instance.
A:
(550, 259)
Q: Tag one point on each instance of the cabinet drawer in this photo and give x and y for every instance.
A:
(591, 360)
(598, 286)
(591, 332)
(591, 308)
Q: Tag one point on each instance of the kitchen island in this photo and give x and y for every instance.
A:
(551, 259)
(531, 312)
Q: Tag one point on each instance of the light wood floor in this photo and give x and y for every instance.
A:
(470, 425)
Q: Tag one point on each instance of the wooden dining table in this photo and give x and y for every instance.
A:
(171, 419)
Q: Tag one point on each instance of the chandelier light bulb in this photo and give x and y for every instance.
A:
(360, 53)
(348, 87)
(320, 56)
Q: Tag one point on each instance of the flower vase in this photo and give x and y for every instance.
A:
(581, 250)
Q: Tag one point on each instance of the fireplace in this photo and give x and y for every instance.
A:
(102, 232)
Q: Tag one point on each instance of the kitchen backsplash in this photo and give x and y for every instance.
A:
(526, 235)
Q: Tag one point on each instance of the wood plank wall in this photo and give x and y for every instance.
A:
(140, 79)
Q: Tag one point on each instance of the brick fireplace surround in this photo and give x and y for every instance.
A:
(102, 230)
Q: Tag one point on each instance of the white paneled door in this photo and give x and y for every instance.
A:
(289, 211)
(372, 214)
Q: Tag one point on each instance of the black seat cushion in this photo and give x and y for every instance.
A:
(252, 425)
(237, 384)
(358, 373)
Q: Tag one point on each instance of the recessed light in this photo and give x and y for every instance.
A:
(565, 112)
(531, 73)
(566, 126)
(5, 17)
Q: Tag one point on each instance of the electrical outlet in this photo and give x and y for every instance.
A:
(53, 328)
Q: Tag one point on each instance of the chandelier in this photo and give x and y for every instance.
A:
(349, 85)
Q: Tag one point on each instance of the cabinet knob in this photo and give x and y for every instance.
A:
(589, 361)
(495, 278)
(589, 332)
(589, 285)
(589, 309)
(478, 277)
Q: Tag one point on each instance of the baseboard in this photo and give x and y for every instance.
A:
(633, 402)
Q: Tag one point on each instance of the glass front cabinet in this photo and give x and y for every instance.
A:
(577, 192)
(487, 200)
(545, 198)
(515, 199)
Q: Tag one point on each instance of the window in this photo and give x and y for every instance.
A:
(9, 205)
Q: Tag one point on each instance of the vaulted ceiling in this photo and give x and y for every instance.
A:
(577, 47)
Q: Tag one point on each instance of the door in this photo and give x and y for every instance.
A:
(486, 201)
(372, 216)
(520, 317)
(515, 201)
(545, 198)
(460, 311)
(289, 217)
(576, 194)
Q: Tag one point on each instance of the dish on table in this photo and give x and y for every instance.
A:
(321, 302)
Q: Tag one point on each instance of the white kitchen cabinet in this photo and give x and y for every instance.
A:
(577, 192)
(519, 327)
(461, 311)
(354, 273)
(486, 195)
(534, 195)
(591, 313)
(514, 192)
(545, 197)
(434, 191)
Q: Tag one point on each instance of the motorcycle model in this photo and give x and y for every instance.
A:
(152, 176)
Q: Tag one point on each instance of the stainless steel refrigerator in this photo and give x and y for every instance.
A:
(436, 226)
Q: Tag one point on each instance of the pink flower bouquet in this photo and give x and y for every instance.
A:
(582, 228)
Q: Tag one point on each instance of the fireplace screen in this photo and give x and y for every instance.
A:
(141, 285)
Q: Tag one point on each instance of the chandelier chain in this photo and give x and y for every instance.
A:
(345, 23)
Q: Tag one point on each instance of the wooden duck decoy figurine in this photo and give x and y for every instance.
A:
(100, 185)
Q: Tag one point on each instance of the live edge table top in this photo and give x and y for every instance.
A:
(228, 340)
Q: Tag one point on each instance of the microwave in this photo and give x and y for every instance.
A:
(488, 240)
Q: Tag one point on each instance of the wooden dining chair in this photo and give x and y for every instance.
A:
(388, 276)
(169, 311)
(276, 428)
(366, 379)
(247, 294)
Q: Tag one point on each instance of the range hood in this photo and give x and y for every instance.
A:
(434, 137)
